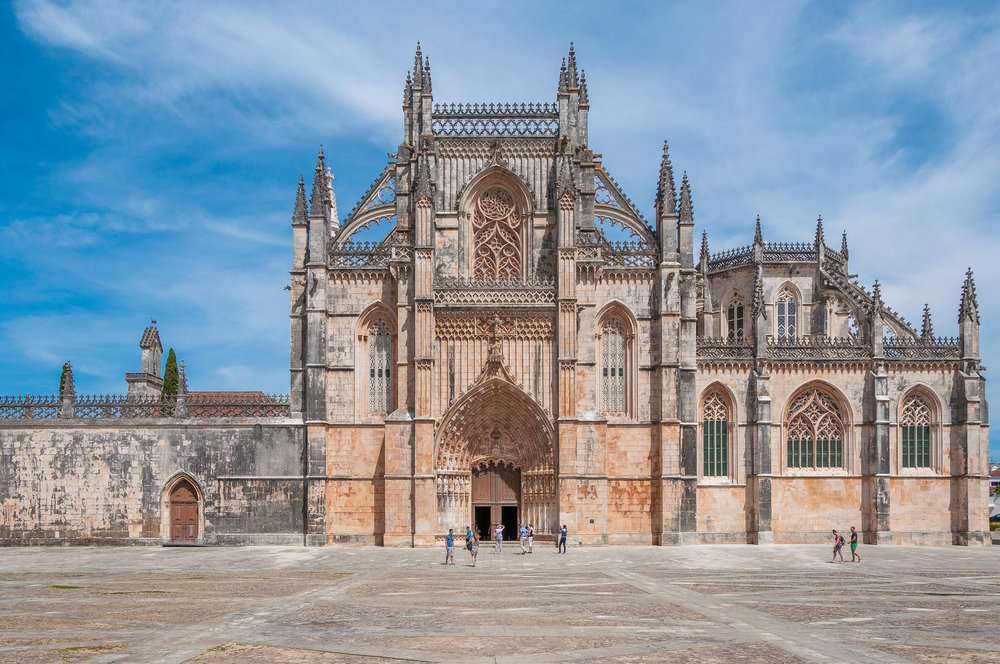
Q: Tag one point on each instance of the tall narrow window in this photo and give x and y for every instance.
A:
(734, 319)
(815, 431)
(916, 424)
(715, 436)
(787, 315)
(379, 367)
(497, 231)
(613, 366)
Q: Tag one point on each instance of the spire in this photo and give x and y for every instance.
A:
(300, 216)
(704, 248)
(843, 245)
(423, 188)
(320, 196)
(686, 210)
(876, 305)
(563, 84)
(67, 385)
(418, 69)
(427, 74)
(332, 198)
(182, 381)
(572, 78)
(758, 236)
(408, 90)
(584, 97)
(564, 180)
(666, 193)
(969, 306)
(819, 231)
(927, 329)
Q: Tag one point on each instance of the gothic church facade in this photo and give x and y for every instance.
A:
(520, 345)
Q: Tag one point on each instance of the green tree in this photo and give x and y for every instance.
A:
(170, 377)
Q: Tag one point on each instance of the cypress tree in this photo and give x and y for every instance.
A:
(170, 377)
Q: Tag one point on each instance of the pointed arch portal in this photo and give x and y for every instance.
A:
(495, 461)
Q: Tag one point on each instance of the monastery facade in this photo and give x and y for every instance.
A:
(520, 345)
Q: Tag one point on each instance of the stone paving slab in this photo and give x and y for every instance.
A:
(724, 603)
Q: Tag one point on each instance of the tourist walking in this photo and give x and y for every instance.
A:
(561, 545)
(498, 533)
(838, 544)
(855, 558)
(449, 543)
(474, 547)
(531, 537)
(522, 538)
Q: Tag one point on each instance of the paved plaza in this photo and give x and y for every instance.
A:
(612, 604)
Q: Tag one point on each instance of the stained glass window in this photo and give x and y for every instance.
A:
(379, 367)
(916, 424)
(735, 318)
(613, 366)
(715, 436)
(815, 431)
(787, 315)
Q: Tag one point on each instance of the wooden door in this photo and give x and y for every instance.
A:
(183, 514)
(497, 487)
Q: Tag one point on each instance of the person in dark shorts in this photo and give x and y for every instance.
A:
(855, 558)
(561, 545)
(838, 544)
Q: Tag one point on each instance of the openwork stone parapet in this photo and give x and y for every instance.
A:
(527, 292)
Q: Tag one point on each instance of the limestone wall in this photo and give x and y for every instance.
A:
(96, 483)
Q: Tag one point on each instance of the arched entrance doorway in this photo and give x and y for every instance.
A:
(495, 457)
(183, 506)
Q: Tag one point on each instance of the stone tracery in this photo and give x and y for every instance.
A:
(497, 230)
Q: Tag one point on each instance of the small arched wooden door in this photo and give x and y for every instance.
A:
(183, 513)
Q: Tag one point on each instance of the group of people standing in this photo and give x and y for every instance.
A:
(526, 539)
(838, 544)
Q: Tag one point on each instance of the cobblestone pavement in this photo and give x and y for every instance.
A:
(613, 604)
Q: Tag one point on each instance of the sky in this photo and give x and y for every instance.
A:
(149, 152)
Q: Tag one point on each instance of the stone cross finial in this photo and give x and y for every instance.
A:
(927, 329)
(969, 306)
(819, 231)
(666, 193)
(758, 235)
(843, 245)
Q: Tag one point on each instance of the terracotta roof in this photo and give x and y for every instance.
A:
(995, 472)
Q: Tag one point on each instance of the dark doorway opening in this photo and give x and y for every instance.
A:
(483, 522)
(508, 517)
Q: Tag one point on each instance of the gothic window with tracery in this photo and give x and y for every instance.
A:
(787, 307)
(715, 436)
(613, 366)
(815, 431)
(497, 231)
(379, 367)
(735, 319)
(916, 424)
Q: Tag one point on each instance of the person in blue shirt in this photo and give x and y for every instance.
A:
(523, 538)
(449, 542)
(561, 546)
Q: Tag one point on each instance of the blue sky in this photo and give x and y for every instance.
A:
(150, 153)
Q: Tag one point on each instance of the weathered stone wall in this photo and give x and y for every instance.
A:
(104, 483)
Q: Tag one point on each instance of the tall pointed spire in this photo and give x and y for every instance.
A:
(843, 245)
(969, 307)
(704, 248)
(572, 77)
(927, 329)
(584, 97)
(758, 235)
(423, 189)
(319, 200)
(67, 384)
(757, 303)
(563, 83)
(300, 216)
(876, 304)
(182, 381)
(666, 193)
(819, 232)
(418, 68)
(427, 74)
(686, 210)
(408, 90)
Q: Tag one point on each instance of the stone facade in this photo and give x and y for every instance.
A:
(521, 345)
